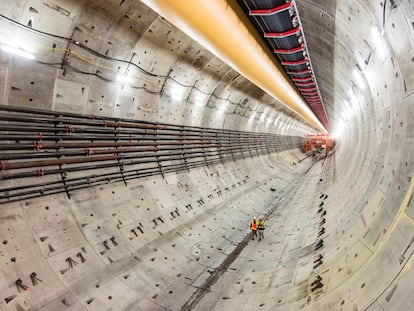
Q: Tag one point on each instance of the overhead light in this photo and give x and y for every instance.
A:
(339, 128)
(253, 114)
(199, 103)
(199, 99)
(353, 100)
(222, 107)
(380, 42)
(122, 78)
(16, 51)
(359, 79)
(176, 97)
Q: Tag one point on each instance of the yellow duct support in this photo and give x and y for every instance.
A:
(222, 27)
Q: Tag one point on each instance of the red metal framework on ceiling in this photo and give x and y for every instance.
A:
(279, 22)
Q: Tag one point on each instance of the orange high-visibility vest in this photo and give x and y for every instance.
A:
(253, 225)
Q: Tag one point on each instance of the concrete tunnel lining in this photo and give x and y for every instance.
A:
(83, 250)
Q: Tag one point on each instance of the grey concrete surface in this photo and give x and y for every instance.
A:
(124, 60)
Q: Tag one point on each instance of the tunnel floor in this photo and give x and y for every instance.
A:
(278, 270)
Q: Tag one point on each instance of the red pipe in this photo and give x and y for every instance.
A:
(271, 11)
(283, 34)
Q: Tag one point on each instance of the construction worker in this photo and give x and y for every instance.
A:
(253, 226)
(261, 225)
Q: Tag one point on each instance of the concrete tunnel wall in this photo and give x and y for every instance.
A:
(192, 220)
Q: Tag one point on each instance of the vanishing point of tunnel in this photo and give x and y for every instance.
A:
(145, 143)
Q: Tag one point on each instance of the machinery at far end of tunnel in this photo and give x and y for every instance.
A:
(316, 143)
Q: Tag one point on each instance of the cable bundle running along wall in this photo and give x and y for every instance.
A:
(44, 152)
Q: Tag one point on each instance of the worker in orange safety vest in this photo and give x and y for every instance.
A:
(253, 226)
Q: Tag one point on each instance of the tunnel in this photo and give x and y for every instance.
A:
(139, 139)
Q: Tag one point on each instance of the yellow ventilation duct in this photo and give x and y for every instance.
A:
(223, 28)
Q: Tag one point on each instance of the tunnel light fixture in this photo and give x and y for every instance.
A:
(380, 43)
(339, 129)
(252, 116)
(262, 117)
(269, 120)
(348, 112)
(176, 97)
(199, 103)
(359, 78)
(223, 107)
(178, 93)
(353, 100)
(16, 51)
(199, 99)
(122, 78)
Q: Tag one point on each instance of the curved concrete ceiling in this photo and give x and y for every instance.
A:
(224, 30)
(180, 241)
